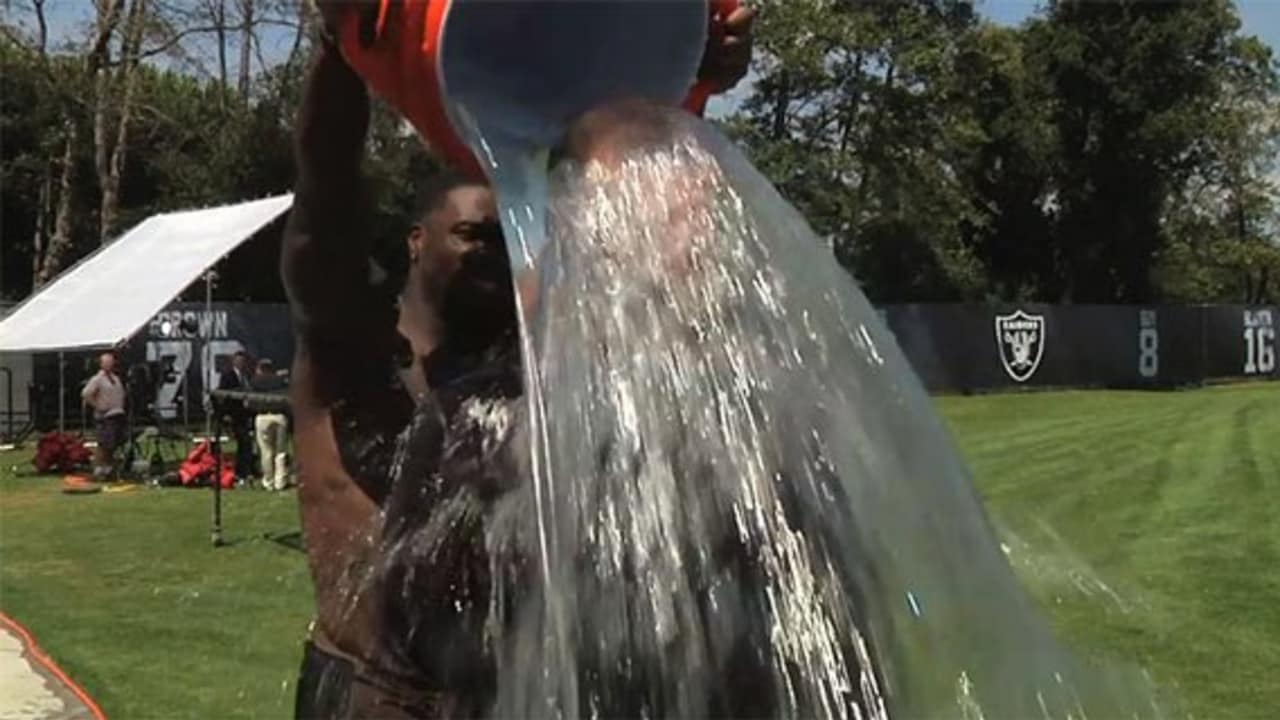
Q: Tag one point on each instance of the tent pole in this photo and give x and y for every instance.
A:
(62, 393)
(216, 446)
(205, 356)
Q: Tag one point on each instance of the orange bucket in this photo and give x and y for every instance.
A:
(405, 63)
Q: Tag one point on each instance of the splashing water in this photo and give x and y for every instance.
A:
(738, 500)
(741, 502)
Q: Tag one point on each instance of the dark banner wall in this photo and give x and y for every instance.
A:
(190, 345)
(976, 347)
(951, 347)
(184, 346)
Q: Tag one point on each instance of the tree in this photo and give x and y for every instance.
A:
(1134, 85)
(114, 106)
(1010, 169)
(853, 119)
(1224, 222)
(77, 118)
(43, 159)
(947, 158)
(179, 138)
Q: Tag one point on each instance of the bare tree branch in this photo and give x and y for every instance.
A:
(109, 12)
(174, 40)
(132, 41)
(42, 33)
(219, 8)
(247, 41)
(58, 249)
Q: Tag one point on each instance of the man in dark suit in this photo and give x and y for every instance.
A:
(237, 377)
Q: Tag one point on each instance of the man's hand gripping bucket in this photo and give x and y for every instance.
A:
(519, 71)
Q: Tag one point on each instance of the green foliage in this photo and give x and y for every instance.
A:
(1009, 170)
(1109, 152)
(947, 158)
(193, 143)
(38, 100)
(1136, 86)
(853, 118)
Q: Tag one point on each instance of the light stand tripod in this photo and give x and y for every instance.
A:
(146, 431)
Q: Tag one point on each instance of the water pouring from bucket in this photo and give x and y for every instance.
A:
(739, 501)
(493, 85)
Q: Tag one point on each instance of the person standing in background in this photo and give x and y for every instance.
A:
(271, 429)
(105, 393)
(237, 377)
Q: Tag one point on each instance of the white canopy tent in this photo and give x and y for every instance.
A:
(107, 297)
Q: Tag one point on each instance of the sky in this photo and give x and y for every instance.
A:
(1259, 17)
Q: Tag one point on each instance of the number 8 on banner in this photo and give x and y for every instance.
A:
(1148, 344)
(1259, 342)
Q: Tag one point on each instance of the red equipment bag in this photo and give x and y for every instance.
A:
(197, 470)
(61, 452)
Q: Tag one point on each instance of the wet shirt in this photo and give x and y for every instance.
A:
(452, 458)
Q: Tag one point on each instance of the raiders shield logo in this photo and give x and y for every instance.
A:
(1020, 338)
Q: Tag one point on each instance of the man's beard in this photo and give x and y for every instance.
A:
(476, 316)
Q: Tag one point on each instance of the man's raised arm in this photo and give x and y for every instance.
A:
(341, 322)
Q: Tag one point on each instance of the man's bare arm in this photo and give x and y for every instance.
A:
(344, 331)
(346, 326)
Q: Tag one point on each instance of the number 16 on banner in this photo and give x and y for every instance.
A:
(1259, 342)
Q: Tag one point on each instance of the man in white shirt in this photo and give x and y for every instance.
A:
(105, 393)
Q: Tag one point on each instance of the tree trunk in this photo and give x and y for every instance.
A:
(220, 27)
(42, 27)
(101, 121)
(1242, 219)
(59, 247)
(96, 65)
(109, 12)
(781, 104)
(874, 148)
(295, 50)
(304, 23)
(246, 46)
(39, 240)
(126, 83)
(852, 107)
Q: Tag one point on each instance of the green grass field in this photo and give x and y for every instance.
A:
(1151, 520)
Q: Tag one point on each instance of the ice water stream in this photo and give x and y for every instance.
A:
(739, 500)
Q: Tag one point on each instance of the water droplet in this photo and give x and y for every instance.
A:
(913, 604)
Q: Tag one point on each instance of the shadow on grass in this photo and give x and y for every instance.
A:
(291, 540)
